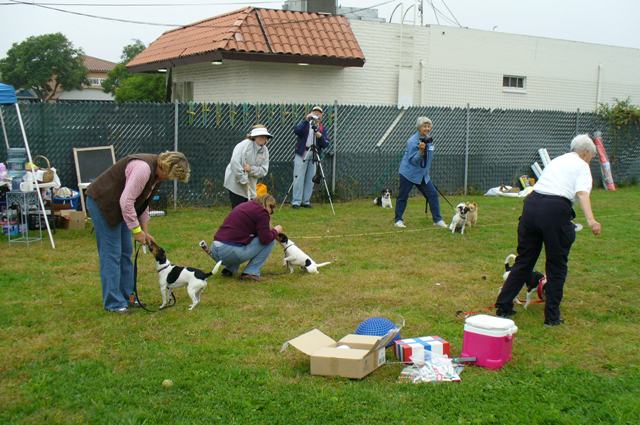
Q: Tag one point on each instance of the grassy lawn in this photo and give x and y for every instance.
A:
(66, 361)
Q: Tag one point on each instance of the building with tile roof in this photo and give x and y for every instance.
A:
(98, 70)
(259, 55)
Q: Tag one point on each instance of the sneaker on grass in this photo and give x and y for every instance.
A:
(400, 224)
(441, 223)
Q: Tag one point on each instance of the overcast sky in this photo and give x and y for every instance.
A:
(613, 22)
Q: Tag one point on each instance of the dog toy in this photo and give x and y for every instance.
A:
(205, 247)
(377, 326)
(167, 383)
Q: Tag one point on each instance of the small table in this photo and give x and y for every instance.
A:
(24, 200)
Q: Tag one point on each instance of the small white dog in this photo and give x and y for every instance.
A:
(172, 276)
(535, 283)
(294, 256)
(384, 200)
(459, 219)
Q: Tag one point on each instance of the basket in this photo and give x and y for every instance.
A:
(47, 175)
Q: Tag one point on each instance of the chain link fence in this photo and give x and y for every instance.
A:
(475, 148)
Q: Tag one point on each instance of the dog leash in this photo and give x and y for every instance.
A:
(441, 194)
(135, 285)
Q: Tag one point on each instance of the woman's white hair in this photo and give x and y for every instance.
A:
(583, 143)
(421, 120)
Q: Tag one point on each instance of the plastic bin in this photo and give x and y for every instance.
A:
(489, 339)
(74, 201)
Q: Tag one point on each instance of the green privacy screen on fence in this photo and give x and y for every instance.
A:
(367, 142)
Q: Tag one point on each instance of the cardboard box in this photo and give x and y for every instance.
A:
(435, 344)
(76, 218)
(364, 355)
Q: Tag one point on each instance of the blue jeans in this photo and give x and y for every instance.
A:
(114, 250)
(303, 173)
(234, 255)
(428, 190)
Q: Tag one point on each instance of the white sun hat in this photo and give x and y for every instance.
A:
(260, 131)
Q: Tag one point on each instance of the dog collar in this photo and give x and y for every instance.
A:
(292, 244)
(165, 267)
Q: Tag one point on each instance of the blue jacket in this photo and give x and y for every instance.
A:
(302, 131)
(413, 167)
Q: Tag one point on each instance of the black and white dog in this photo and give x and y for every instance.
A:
(294, 256)
(172, 276)
(384, 200)
(459, 219)
(535, 283)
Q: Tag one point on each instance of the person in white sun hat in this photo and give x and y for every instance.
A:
(249, 162)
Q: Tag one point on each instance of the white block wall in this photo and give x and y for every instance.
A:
(452, 67)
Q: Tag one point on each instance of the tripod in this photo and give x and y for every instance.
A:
(315, 158)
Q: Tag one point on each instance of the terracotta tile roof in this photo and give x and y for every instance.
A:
(256, 34)
(97, 65)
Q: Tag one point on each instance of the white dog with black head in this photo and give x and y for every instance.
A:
(171, 276)
(459, 219)
(384, 200)
(294, 256)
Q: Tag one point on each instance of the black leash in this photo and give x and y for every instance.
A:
(135, 286)
(441, 194)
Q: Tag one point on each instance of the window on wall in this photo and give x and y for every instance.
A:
(514, 82)
(183, 91)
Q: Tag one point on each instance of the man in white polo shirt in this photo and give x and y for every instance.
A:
(546, 219)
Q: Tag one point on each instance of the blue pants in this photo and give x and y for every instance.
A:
(303, 173)
(234, 255)
(114, 250)
(428, 190)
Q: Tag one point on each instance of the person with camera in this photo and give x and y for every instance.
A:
(249, 162)
(414, 171)
(546, 220)
(246, 235)
(312, 138)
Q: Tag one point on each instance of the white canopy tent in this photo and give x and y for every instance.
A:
(8, 97)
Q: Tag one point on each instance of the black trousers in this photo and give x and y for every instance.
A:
(236, 199)
(545, 220)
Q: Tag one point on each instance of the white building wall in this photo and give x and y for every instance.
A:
(451, 67)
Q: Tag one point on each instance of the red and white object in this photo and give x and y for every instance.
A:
(607, 177)
(405, 348)
(489, 339)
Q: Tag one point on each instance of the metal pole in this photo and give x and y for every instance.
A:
(466, 154)
(335, 146)
(26, 145)
(577, 121)
(175, 148)
(4, 131)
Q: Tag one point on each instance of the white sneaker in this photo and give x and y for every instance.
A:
(400, 224)
(441, 223)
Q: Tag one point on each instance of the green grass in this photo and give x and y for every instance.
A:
(66, 361)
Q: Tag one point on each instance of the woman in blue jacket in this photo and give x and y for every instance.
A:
(414, 171)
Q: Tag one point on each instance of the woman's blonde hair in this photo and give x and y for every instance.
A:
(175, 165)
(266, 201)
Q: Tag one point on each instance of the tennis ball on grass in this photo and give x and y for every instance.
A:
(167, 383)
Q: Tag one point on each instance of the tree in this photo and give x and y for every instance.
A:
(128, 87)
(44, 63)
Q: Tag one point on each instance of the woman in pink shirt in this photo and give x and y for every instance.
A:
(118, 203)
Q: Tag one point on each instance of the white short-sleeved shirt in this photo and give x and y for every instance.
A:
(564, 176)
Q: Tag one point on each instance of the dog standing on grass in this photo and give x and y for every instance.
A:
(459, 219)
(172, 276)
(535, 283)
(472, 215)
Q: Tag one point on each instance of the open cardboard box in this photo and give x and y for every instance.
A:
(76, 218)
(364, 355)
